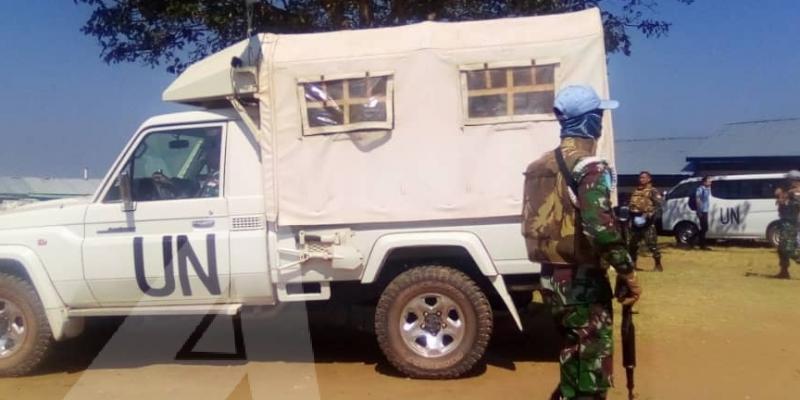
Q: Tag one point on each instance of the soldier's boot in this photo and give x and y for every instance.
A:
(658, 267)
(784, 274)
(635, 259)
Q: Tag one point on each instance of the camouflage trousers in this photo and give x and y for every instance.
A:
(580, 300)
(787, 243)
(650, 237)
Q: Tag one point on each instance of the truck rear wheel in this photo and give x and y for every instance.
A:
(433, 322)
(25, 335)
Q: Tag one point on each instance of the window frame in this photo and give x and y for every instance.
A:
(387, 125)
(509, 90)
(129, 151)
(754, 192)
(690, 187)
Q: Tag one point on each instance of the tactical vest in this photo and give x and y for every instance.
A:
(642, 200)
(551, 221)
(790, 209)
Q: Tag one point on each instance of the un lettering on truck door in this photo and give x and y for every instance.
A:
(186, 256)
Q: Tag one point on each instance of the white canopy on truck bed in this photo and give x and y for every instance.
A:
(422, 122)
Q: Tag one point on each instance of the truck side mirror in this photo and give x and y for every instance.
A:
(124, 181)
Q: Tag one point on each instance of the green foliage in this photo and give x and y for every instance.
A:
(176, 33)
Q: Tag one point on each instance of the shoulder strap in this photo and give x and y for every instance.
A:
(562, 166)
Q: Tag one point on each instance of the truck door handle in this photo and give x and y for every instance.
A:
(121, 229)
(203, 223)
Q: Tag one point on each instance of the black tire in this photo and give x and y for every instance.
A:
(471, 308)
(773, 234)
(685, 233)
(28, 355)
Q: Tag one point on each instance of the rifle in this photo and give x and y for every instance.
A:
(623, 215)
(628, 333)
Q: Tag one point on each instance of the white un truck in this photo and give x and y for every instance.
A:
(386, 163)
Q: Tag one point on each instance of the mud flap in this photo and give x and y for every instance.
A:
(500, 286)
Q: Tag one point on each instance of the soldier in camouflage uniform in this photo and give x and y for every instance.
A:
(788, 202)
(645, 206)
(569, 227)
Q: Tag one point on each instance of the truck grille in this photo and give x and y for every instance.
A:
(247, 223)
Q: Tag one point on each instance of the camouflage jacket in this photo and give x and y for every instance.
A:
(646, 200)
(560, 229)
(789, 208)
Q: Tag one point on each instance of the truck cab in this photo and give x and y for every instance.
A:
(193, 209)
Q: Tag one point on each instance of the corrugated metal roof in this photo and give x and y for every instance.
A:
(660, 156)
(31, 187)
(769, 138)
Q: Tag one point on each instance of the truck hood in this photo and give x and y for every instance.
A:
(59, 212)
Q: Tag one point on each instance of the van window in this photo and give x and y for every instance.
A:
(508, 94)
(745, 189)
(343, 105)
(683, 190)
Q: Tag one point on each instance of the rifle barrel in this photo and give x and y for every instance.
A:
(629, 375)
(628, 331)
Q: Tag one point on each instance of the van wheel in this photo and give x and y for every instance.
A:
(25, 336)
(433, 322)
(773, 234)
(685, 233)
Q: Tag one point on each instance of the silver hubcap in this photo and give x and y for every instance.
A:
(432, 325)
(12, 328)
(687, 234)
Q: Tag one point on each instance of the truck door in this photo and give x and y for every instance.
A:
(174, 247)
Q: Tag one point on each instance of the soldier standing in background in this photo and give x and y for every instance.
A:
(569, 227)
(645, 206)
(788, 202)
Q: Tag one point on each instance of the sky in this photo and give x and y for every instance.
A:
(63, 109)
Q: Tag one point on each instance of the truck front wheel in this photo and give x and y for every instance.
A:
(25, 335)
(433, 322)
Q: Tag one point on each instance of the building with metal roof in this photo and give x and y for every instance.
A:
(664, 158)
(660, 156)
(749, 147)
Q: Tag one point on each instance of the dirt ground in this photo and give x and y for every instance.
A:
(712, 326)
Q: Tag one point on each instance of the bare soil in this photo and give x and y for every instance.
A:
(713, 325)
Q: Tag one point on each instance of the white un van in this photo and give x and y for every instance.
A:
(742, 207)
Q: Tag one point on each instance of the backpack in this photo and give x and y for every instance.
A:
(550, 219)
(693, 200)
